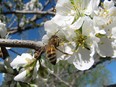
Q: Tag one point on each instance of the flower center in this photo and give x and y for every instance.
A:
(80, 40)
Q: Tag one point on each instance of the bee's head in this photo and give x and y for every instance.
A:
(55, 40)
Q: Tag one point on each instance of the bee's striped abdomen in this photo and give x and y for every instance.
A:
(51, 53)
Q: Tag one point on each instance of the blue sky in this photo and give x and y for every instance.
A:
(112, 68)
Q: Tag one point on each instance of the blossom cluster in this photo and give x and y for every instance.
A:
(29, 68)
(86, 28)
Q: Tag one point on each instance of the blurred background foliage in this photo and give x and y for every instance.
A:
(97, 77)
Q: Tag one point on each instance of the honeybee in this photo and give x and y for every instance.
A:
(53, 43)
(38, 52)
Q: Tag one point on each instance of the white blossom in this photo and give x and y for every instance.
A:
(104, 21)
(29, 65)
(87, 28)
(21, 60)
(70, 10)
(86, 42)
(77, 30)
(3, 30)
(77, 58)
(21, 76)
(92, 7)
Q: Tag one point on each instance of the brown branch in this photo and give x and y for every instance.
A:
(111, 85)
(20, 43)
(33, 19)
(29, 12)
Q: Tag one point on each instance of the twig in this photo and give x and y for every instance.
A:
(16, 30)
(20, 43)
(14, 51)
(28, 12)
(111, 85)
(98, 62)
(13, 21)
(47, 2)
(66, 83)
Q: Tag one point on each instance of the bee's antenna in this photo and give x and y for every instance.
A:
(56, 32)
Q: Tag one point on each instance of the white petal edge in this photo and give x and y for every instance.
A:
(20, 60)
(21, 76)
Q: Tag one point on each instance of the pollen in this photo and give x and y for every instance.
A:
(80, 41)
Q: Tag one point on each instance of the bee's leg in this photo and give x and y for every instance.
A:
(62, 52)
(38, 52)
(4, 52)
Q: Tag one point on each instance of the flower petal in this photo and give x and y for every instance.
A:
(93, 5)
(78, 23)
(3, 30)
(21, 76)
(105, 48)
(63, 7)
(63, 20)
(20, 60)
(82, 59)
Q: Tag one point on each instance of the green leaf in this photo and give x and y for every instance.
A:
(99, 35)
(43, 72)
(22, 84)
(72, 2)
(0, 1)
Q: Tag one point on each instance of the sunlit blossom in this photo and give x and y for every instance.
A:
(28, 65)
(76, 27)
(3, 30)
(105, 20)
